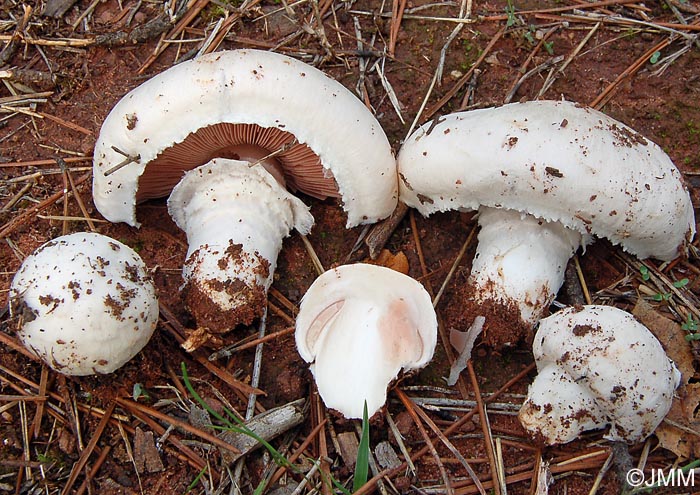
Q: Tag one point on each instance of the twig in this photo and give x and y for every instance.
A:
(228, 351)
(445, 442)
(426, 438)
(397, 11)
(207, 437)
(126, 161)
(464, 79)
(312, 254)
(455, 264)
(89, 448)
(582, 280)
(485, 427)
(26, 214)
(570, 58)
(536, 70)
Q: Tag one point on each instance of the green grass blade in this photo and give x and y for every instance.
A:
(362, 463)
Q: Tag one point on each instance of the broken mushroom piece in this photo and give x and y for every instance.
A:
(597, 367)
(359, 326)
(544, 176)
(85, 304)
(304, 128)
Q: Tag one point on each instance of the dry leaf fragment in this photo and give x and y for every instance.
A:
(680, 431)
(397, 262)
(146, 456)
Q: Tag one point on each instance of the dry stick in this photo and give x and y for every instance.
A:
(397, 10)
(464, 79)
(429, 287)
(65, 123)
(582, 280)
(189, 16)
(444, 440)
(408, 404)
(213, 439)
(278, 311)
(87, 451)
(176, 329)
(518, 477)
(252, 343)
(523, 68)
(608, 92)
(312, 254)
(317, 409)
(26, 214)
(43, 383)
(194, 460)
(185, 453)
(542, 67)
(661, 280)
(488, 440)
(284, 301)
(51, 161)
(601, 474)
(455, 264)
(95, 468)
(227, 25)
(570, 58)
(76, 194)
(298, 452)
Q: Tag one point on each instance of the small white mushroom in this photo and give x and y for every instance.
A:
(597, 367)
(359, 326)
(305, 129)
(560, 173)
(85, 304)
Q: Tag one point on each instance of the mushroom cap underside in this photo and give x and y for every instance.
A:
(86, 302)
(359, 325)
(264, 90)
(555, 160)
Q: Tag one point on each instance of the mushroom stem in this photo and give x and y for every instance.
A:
(235, 215)
(520, 263)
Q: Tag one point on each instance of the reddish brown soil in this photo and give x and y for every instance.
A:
(90, 80)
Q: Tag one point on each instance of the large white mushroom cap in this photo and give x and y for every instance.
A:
(359, 326)
(268, 91)
(85, 303)
(555, 160)
(597, 366)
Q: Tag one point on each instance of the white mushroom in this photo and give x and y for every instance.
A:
(564, 172)
(307, 130)
(359, 325)
(597, 367)
(85, 304)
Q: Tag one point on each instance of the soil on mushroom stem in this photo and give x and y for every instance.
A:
(663, 108)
